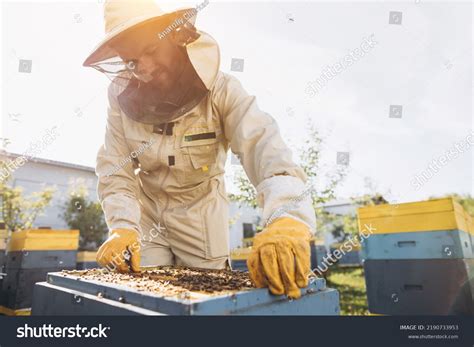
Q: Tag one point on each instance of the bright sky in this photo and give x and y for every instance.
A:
(423, 64)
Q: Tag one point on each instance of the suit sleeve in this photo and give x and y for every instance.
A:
(255, 138)
(117, 184)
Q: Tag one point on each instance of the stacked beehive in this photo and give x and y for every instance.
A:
(86, 260)
(318, 251)
(31, 254)
(239, 258)
(3, 244)
(351, 253)
(419, 258)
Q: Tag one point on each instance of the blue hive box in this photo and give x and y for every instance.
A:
(65, 294)
(350, 255)
(318, 252)
(449, 244)
(420, 287)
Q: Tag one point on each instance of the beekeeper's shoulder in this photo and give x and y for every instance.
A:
(224, 86)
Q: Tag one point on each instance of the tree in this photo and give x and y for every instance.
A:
(86, 216)
(247, 194)
(467, 201)
(322, 187)
(20, 212)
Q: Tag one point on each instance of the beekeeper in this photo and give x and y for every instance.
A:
(172, 117)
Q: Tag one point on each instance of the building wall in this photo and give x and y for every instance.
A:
(338, 208)
(35, 176)
(238, 216)
(341, 208)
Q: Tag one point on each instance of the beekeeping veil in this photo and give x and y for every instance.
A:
(141, 101)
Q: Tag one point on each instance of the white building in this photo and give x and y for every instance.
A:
(37, 174)
(340, 208)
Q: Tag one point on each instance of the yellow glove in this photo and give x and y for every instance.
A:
(280, 257)
(119, 250)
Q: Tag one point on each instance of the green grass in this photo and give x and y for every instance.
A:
(351, 286)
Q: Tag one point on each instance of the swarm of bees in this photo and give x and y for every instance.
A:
(175, 281)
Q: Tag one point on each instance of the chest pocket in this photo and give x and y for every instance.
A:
(198, 148)
(143, 146)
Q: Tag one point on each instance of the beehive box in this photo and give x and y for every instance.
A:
(352, 258)
(3, 258)
(238, 258)
(18, 285)
(420, 287)
(318, 251)
(350, 255)
(31, 254)
(170, 291)
(43, 239)
(40, 260)
(3, 245)
(454, 244)
(430, 215)
(3, 237)
(86, 260)
(433, 229)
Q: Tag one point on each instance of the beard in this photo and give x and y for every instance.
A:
(157, 77)
(167, 90)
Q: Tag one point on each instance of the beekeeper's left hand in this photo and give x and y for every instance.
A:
(280, 258)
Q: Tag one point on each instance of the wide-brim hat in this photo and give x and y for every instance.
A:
(123, 15)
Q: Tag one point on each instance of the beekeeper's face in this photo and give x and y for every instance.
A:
(153, 60)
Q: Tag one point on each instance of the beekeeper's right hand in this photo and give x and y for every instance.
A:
(119, 250)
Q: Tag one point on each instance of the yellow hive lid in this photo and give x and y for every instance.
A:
(43, 239)
(429, 215)
(240, 253)
(469, 222)
(418, 207)
(86, 256)
(317, 242)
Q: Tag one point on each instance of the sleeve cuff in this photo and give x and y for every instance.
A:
(286, 196)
